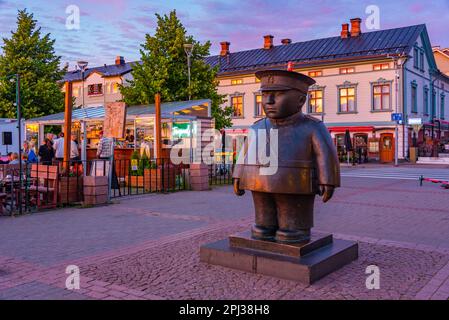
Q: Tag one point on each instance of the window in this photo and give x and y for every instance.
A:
(95, 89)
(442, 106)
(315, 73)
(347, 70)
(381, 66)
(426, 100)
(237, 106)
(415, 58)
(315, 101)
(236, 81)
(421, 60)
(434, 103)
(76, 91)
(114, 87)
(414, 98)
(381, 97)
(347, 99)
(258, 109)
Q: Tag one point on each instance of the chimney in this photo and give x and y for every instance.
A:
(286, 41)
(224, 48)
(119, 60)
(345, 30)
(355, 27)
(268, 42)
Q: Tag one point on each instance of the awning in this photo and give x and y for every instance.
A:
(236, 131)
(179, 109)
(351, 129)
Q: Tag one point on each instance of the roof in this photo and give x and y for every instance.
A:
(106, 71)
(168, 110)
(370, 44)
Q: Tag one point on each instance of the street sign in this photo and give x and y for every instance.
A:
(414, 121)
(396, 117)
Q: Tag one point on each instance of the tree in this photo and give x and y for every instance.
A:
(32, 57)
(163, 69)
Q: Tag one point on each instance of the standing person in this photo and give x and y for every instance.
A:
(105, 151)
(32, 157)
(28, 149)
(51, 137)
(46, 152)
(75, 156)
(58, 145)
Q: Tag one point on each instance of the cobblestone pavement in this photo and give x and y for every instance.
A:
(148, 247)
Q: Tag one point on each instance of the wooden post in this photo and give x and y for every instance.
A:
(67, 125)
(158, 139)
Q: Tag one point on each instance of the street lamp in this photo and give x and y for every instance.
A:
(82, 65)
(398, 62)
(188, 50)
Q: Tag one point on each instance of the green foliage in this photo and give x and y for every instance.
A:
(163, 69)
(135, 155)
(144, 162)
(32, 56)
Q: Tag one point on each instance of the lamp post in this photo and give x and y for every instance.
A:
(188, 50)
(83, 65)
(398, 61)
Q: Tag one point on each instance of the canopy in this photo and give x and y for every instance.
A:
(179, 109)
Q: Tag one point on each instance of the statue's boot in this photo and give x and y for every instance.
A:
(263, 233)
(293, 236)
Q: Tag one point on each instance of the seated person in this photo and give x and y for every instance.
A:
(14, 158)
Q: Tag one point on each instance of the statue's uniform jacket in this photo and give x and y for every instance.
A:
(306, 158)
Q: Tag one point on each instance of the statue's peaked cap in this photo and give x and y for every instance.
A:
(281, 80)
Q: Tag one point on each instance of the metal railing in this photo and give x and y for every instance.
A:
(147, 176)
(59, 183)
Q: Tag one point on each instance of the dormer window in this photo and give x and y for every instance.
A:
(314, 74)
(381, 66)
(347, 70)
(95, 89)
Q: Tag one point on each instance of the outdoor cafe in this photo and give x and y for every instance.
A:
(137, 166)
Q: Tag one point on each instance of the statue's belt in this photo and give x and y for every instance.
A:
(287, 164)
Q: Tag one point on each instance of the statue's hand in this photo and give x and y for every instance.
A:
(237, 189)
(326, 191)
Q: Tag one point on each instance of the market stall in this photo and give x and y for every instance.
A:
(180, 121)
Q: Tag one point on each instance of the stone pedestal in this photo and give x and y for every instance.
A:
(304, 262)
(199, 177)
(95, 190)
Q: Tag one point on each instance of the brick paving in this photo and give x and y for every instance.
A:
(148, 247)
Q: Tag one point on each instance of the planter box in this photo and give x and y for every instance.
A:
(153, 179)
(70, 190)
(95, 190)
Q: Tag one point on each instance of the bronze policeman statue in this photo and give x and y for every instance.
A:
(307, 162)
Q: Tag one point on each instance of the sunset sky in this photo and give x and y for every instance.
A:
(117, 27)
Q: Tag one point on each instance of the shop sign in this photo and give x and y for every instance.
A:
(134, 165)
(415, 121)
(181, 130)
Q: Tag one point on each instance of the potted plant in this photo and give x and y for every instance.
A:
(71, 187)
(135, 176)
